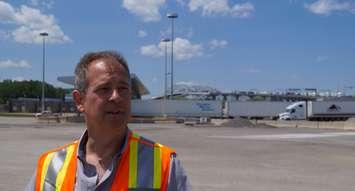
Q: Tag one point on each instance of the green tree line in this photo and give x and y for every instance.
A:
(28, 89)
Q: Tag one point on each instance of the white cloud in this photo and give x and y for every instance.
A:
(213, 44)
(242, 10)
(251, 70)
(142, 33)
(152, 50)
(210, 7)
(6, 12)
(326, 7)
(147, 10)
(13, 64)
(183, 49)
(30, 23)
(221, 7)
(48, 4)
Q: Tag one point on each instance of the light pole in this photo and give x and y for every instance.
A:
(44, 35)
(172, 16)
(166, 40)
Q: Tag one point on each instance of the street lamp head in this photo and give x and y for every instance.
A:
(172, 15)
(165, 40)
(43, 34)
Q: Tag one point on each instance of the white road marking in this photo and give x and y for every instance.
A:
(288, 136)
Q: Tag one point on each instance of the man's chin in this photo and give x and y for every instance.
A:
(115, 123)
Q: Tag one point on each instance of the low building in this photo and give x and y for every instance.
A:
(33, 105)
(138, 88)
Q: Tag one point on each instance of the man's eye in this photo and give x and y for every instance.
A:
(104, 89)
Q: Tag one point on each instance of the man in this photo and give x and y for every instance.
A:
(108, 156)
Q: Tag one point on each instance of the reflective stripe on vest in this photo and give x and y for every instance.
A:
(133, 160)
(144, 159)
(144, 165)
(52, 173)
(47, 160)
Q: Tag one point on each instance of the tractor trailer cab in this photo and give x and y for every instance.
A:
(294, 111)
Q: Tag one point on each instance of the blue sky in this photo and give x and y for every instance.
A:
(226, 44)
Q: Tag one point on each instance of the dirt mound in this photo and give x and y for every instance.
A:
(240, 122)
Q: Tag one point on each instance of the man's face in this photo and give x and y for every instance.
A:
(107, 100)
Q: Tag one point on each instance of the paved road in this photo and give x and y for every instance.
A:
(254, 159)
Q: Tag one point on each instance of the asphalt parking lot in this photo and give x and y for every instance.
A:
(215, 158)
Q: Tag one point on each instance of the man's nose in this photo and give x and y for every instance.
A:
(115, 95)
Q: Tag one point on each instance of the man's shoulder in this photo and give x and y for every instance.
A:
(72, 145)
(152, 143)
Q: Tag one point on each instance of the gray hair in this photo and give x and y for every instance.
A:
(83, 65)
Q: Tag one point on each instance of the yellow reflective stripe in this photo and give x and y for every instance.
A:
(45, 169)
(133, 162)
(63, 170)
(157, 166)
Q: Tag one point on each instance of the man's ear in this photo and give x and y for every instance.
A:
(79, 100)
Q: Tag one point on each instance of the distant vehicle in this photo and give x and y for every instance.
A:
(319, 110)
(330, 110)
(45, 114)
(294, 111)
(176, 108)
(255, 109)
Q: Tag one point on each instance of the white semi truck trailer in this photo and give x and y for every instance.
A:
(319, 110)
(255, 109)
(176, 108)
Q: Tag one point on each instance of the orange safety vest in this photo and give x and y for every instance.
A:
(144, 165)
